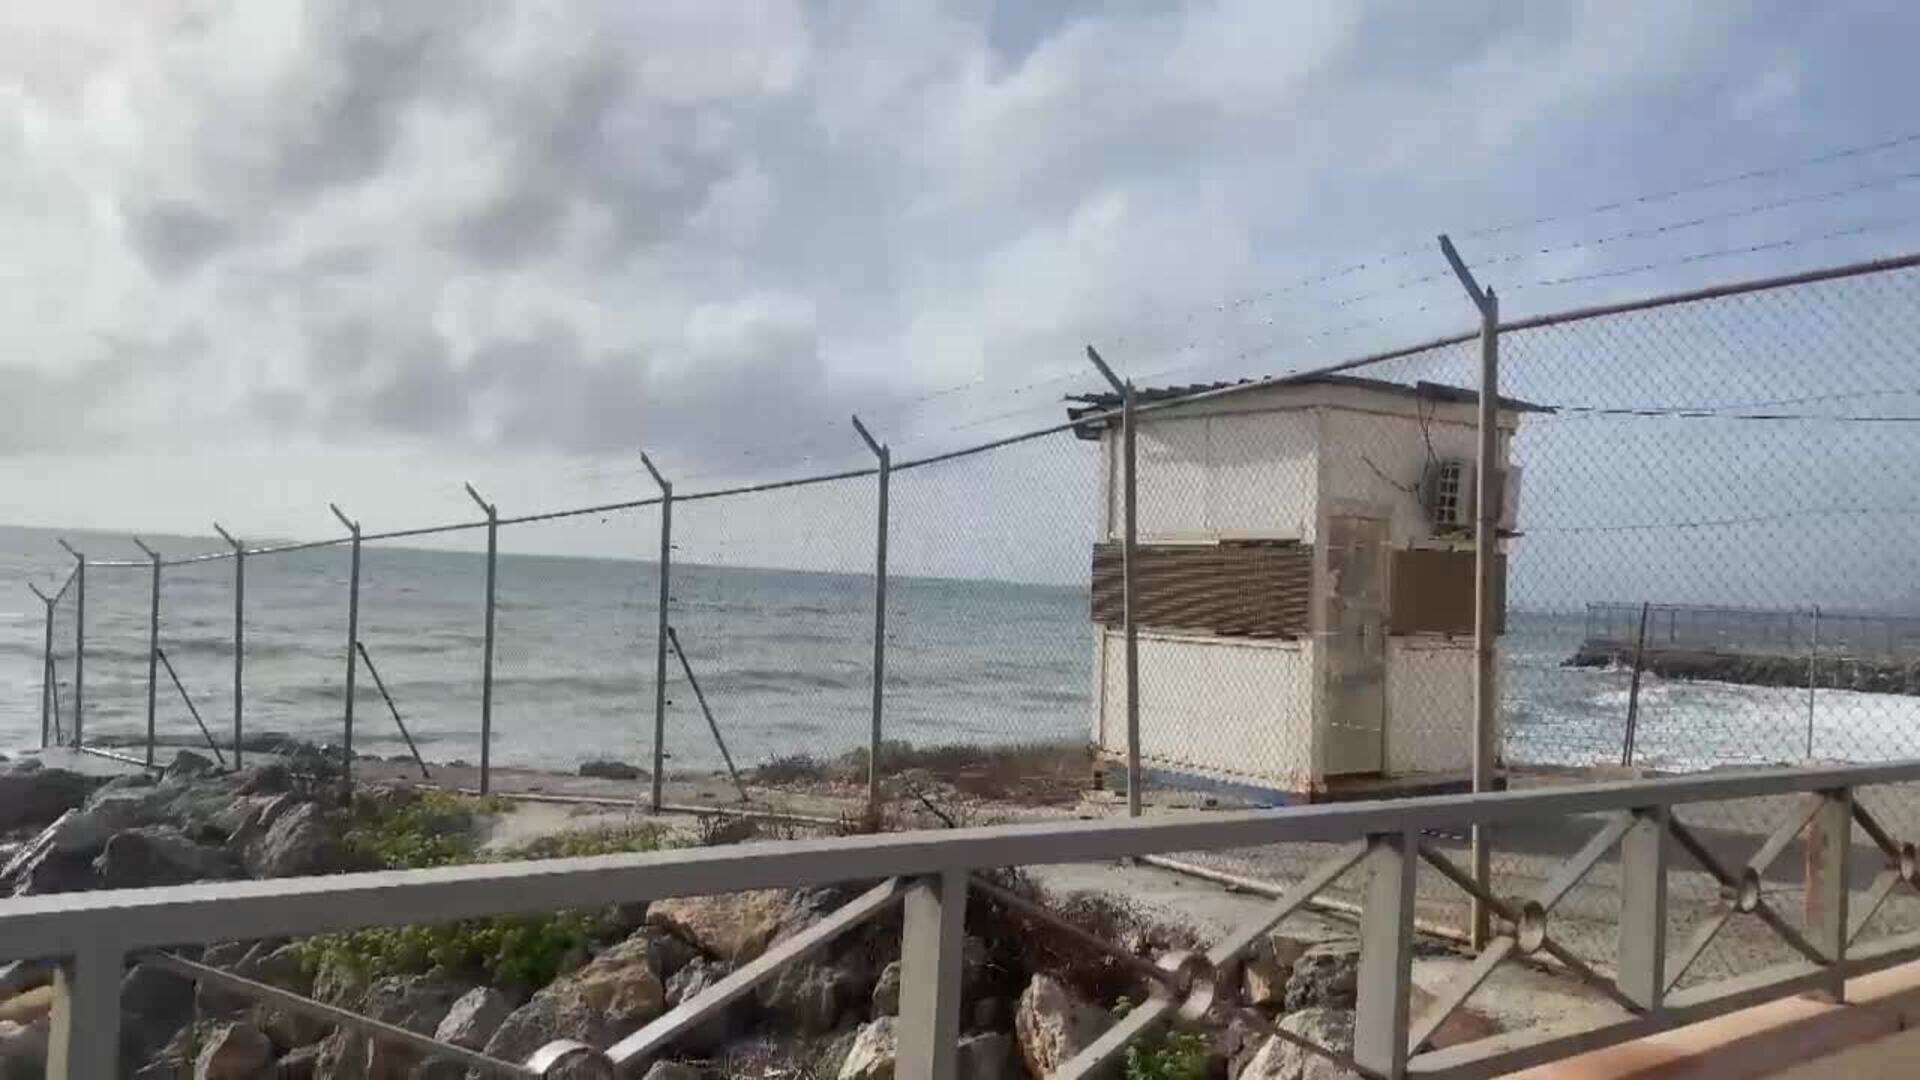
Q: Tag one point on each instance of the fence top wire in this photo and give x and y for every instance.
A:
(1752, 285)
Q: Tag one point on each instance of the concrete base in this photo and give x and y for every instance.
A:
(1338, 789)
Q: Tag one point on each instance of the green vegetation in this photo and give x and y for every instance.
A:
(1036, 773)
(1181, 1055)
(436, 828)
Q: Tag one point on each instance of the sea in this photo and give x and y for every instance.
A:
(782, 661)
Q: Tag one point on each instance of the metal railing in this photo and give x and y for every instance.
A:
(93, 936)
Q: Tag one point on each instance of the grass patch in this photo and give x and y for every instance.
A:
(1179, 1055)
(1032, 773)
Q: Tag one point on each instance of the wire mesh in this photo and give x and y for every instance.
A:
(196, 637)
(422, 631)
(296, 647)
(114, 697)
(66, 610)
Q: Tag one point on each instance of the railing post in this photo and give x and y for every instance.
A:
(1489, 485)
(879, 622)
(1381, 1019)
(1130, 539)
(84, 1038)
(1642, 949)
(931, 937)
(239, 634)
(1829, 838)
(486, 664)
(353, 644)
(153, 646)
(660, 636)
(79, 645)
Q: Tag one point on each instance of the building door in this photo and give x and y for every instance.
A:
(1356, 643)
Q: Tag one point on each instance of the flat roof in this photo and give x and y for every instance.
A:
(1104, 401)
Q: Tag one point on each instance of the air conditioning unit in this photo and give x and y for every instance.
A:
(1449, 493)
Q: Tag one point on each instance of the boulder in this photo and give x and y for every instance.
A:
(1325, 975)
(473, 1018)
(299, 842)
(158, 855)
(28, 1007)
(666, 951)
(270, 779)
(886, 991)
(233, 1052)
(689, 982)
(23, 1050)
(988, 1055)
(1052, 1025)
(24, 975)
(872, 1054)
(808, 998)
(154, 1006)
(672, 1070)
(735, 927)
(187, 765)
(1268, 967)
(35, 796)
(300, 1063)
(419, 1003)
(283, 966)
(1279, 1059)
(609, 770)
(608, 999)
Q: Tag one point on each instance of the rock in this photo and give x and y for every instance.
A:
(992, 1014)
(601, 1003)
(1326, 975)
(270, 779)
(299, 842)
(225, 954)
(1268, 967)
(986, 1056)
(666, 951)
(473, 1019)
(234, 1052)
(24, 975)
(283, 966)
(156, 855)
(735, 927)
(154, 1006)
(419, 1003)
(809, 997)
(300, 1063)
(672, 1070)
(1053, 1025)
(1279, 1059)
(35, 796)
(689, 982)
(28, 1007)
(886, 991)
(609, 770)
(23, 1050)
(872, 1054)
(187, 765)
(47, 871)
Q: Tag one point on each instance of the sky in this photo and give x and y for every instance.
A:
(266, 254)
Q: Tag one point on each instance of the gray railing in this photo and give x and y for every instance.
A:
(94, 935)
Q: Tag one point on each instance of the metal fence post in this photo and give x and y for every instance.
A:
(79, 644)
(46, 669)
(660, 635)
(1489, 486)
(932, 936)
(239, 633)
(1130, 538)
(1829, 837)
(1381, 1021)
(83, 1040)
(1642, 949)
(353, 643)
(1813, 668)
(486, 665)
(885, 457)
(153, 645)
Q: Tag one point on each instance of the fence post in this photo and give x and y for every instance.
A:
(46, 669)
(79, 645)
(660, 634)
(1489, 487)
(1829, 837)
(239, 633)
(353, 644)
(1129, 545)
(885, 457)
(1380, 1022)
(153, 644)
(83, 1040)
(1642, 948)
(932, 936)
(1813, 668)
(486, 665)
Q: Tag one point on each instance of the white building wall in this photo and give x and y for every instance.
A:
(1379, 459)
(1235, 709)
(1224, 475)
(1429, 705)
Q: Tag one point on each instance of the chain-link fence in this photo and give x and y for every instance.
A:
(1705, 559)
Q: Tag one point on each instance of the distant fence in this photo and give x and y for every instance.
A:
(1781, 631)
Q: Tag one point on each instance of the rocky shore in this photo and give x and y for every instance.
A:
(506, 986)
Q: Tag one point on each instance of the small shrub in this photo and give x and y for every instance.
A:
(525, 951)
(1180, 1055)
(411, 829)
(613, 840)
